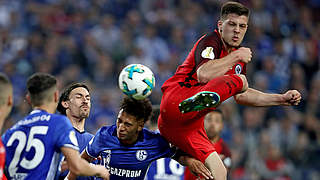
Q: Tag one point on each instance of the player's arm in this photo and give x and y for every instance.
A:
(85, 155)
(253, 97)
(195, 166)
(80, 167)
(218, 67)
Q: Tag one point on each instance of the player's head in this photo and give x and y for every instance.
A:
(42, 89)
(75, 101)
(233, 23)
(6, 100)
(131, 118)
(213, 123)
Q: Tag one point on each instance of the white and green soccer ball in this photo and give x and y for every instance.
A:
(136, 81)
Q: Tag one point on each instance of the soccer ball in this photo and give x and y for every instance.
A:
(136, 81)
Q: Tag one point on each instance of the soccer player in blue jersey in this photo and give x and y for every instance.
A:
(6, 102)
(127, 149)
(34, 144)
(164, 168)
(75, 103)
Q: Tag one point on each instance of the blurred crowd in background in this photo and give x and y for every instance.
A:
(92, 40)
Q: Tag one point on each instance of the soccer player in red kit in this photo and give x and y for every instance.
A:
(213, 124)
(213, 71)
(6, 102)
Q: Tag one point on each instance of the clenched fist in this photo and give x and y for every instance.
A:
(243, 54)
(292, 97)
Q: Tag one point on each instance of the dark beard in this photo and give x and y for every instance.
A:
(211, 136)
(84, 115)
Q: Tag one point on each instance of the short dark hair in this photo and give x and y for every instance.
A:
(66, 93)
(4, 84)
(141, 109)
(233, 7)
(217, 111)
(38, 85)
(4, 79)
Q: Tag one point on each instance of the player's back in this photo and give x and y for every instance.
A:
(165, 168)
(33, 145)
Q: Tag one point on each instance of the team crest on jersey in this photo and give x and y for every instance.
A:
(238, 69)
(141, 155)
(208, 53)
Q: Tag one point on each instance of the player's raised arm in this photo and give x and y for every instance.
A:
(253, 97)
(80, 167)
(218, 67)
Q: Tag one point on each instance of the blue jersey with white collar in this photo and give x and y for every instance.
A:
(33, 145)
(128, 162)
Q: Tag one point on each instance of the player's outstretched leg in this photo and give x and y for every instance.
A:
(200, 101)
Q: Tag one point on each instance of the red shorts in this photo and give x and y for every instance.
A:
(186, 131)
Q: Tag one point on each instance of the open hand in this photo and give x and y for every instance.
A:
(199, 169)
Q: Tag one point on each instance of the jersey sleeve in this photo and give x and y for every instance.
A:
(6, 135)
(66, 136)
(3, 137)
(93, 148)
(165, 148)
(208, 48)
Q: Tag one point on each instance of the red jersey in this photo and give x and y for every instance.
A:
(208, 47)
(222, 149)
(2, 161)
(277, 165)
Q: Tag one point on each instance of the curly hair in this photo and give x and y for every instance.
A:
(141, 109)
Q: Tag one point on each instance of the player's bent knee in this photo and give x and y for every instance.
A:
(244, 82)
(216, 166)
